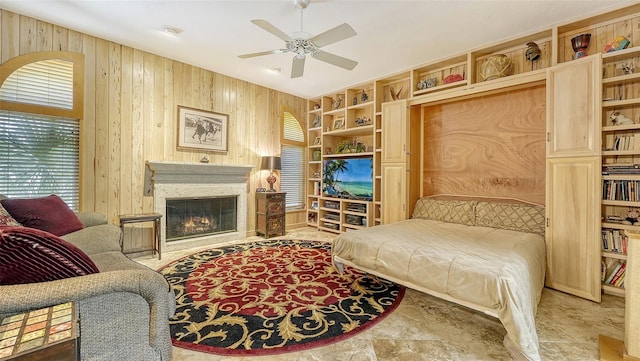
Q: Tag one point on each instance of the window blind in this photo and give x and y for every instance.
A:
(292, 130)
(46, 82)
(292, 175)
(39, 156)
(292, 155)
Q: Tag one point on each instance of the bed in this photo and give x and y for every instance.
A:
(488, 255)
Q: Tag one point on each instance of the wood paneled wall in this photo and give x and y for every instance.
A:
(487, 146)
(130, 106)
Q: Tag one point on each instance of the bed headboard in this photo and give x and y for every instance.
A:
(502, 213)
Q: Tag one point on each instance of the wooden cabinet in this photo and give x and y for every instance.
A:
(270, 213)
(394, 132)
(394, 192)
(573, 177)
(399, 161)
(572, 104)
(572, 235)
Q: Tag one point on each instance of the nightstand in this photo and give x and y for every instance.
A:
(270, 213)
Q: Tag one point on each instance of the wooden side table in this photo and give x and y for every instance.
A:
(144, 217)
(270, 213)
(46, 334)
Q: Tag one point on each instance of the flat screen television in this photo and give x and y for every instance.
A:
(350, 178)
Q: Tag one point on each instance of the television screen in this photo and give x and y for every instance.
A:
(350, 178)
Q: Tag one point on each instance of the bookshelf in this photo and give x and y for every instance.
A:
(620, 204)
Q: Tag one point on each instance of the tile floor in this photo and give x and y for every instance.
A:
(426, 328)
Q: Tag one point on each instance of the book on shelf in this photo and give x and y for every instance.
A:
(624, 142)
(620, 190)
(613, 270)
(618, 275)
(622, 168)
(619, 281)
(614, 240)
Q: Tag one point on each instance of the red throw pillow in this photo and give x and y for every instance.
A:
(29, 255)
(49, 214)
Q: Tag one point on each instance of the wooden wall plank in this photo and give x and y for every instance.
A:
(126, 125)
(114, 139)
(137, 131)
(168, 117)
(10, 35)
(102, 146)
(60, 38)
(45, 36)
(76, 43)
(28, 34)
(88, 125)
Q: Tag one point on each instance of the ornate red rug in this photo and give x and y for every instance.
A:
(271, 297)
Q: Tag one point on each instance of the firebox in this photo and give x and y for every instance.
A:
(196, 217)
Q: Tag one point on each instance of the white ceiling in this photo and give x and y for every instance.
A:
(393, 35)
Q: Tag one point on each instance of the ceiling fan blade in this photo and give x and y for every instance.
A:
(277, 51)
(335, 60)
(297, 68)
(272, 29)
(334, 35)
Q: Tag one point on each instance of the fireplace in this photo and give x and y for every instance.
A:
(196, 217)
(201, 204)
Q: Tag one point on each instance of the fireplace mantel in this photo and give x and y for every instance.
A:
(173, 180)
(158, 172)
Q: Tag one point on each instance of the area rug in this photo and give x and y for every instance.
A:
(270, 297)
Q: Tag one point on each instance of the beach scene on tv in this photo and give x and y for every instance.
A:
(348, 178)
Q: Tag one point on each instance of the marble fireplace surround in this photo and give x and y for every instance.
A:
(175, 180)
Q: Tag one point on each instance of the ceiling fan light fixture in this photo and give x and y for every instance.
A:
(301, 4)
(301, 43)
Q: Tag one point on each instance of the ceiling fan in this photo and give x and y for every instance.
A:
(302, 44)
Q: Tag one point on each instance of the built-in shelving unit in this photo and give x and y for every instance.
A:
(620, 164)
(332, 117)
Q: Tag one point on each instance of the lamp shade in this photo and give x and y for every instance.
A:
(270, 163)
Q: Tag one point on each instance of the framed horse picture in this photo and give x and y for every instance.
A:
(201, 129)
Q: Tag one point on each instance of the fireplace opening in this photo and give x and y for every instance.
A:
(195, 217)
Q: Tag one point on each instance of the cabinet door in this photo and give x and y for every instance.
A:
(573, 108)
(572, 235)
(394, 131)
(394, 192)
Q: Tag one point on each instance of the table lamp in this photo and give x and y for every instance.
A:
(271, 163)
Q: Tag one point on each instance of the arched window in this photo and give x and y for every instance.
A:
(292, 153)
(40, 111)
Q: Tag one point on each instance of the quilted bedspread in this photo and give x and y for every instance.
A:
(502, 270)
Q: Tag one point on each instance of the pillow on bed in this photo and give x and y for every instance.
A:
(515, 217)
(452, 211)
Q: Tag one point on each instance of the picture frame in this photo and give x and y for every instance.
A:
(317, 141)
(314, 205)
(338, 124)
(201, 129)
(317, 121)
